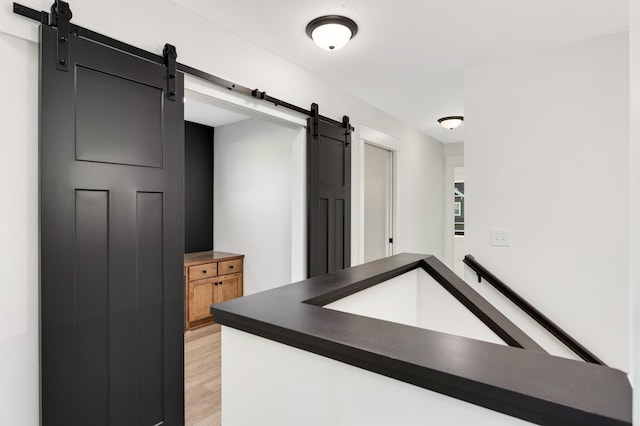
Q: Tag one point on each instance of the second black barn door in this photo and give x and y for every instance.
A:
(328, 195)
(111, 238)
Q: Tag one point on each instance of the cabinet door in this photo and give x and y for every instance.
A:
(227, 287)
(201, 296)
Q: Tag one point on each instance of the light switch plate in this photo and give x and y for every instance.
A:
(500, 237)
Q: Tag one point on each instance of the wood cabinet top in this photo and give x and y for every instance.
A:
(209, 256)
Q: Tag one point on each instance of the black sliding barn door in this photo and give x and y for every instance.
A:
(328, 195)
(111, 238)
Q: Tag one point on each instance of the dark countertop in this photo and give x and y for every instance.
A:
(528, 384)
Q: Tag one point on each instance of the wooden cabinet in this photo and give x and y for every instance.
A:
(210, 277)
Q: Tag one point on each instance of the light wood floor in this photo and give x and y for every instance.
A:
(202, 376)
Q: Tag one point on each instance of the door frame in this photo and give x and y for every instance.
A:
(205, 91)
(449, 228)
(365, 134)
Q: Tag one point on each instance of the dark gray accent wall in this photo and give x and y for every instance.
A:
(198, 191)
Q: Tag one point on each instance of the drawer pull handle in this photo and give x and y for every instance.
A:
(204, 271)
(231, 267)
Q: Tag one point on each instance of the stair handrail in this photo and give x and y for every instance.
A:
(529, 309)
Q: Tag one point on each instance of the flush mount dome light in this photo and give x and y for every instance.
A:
(451, 122)
(331, 32)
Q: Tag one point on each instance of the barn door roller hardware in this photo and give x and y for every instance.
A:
(315, 119)
(347, 129)
(170, 55)
(61, 15)
(315, 122)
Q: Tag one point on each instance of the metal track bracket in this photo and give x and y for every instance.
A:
(315, 118)
(170, 56)
(60, 18)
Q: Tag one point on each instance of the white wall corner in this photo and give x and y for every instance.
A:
(551, 173)
(634, 157)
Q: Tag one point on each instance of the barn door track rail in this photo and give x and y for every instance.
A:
(60, 16)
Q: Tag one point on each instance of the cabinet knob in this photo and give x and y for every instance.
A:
(204, 271)
(231, 267)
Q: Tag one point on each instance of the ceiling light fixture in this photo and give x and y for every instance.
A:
(331, 32)
(451, 122)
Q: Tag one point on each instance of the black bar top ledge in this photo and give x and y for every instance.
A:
(524, 382)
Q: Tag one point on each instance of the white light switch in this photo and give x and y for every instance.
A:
(500, 238)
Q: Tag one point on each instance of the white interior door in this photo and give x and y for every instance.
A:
(377, 202)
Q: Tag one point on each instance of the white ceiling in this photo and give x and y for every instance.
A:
(207, 114)
(409, 55)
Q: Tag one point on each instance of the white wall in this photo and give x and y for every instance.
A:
(546, 157)
(416, 299)
(393, 300)
(419, 192)
(321, 391)
(453, 149)
(458, 255)
(149, 24)
(439, 310)
(635, 205)
(19, 235)
(253, 198)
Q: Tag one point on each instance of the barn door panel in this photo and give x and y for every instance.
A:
(329, 195)
(112, 240)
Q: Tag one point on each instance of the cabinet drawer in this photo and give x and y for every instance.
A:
(206, 270)
(229, 266)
